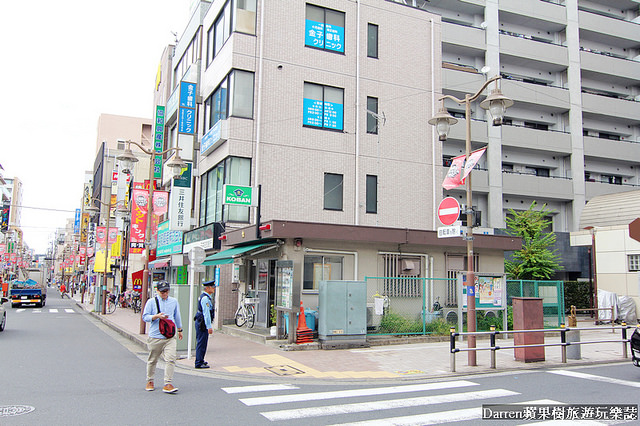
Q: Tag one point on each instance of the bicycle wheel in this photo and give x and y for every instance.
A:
(111, 307)
(251, 316)
(240, 318)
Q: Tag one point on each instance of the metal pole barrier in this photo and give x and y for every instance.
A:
(563, 340)
(452, 349)
(624, 340)
(613, 324)
(493, 346)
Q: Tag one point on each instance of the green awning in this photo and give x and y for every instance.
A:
(226, 257)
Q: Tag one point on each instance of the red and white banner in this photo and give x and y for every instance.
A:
(474, 157)
(454, 175)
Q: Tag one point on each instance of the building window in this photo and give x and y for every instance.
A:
(323, 106)
(232, 170)
(634, 262)
(333, 184)
(403, 275)
(324, 29)
(372, 194)
(372, 115)
(319, 268)
(233, 97)
(611, 179)
(372, 40)
(244, 18)
(243, 21)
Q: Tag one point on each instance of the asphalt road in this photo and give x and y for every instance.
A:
(60, 366)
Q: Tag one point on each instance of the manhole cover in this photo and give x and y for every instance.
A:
(15, 410)
(284, 370)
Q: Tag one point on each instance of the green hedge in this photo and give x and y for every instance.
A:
(577, 294)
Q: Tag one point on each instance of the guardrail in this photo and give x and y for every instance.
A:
(563, 341)
(574, 317)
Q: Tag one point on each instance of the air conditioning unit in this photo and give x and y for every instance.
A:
(451, 316)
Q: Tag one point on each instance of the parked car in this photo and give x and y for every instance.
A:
(3, 313)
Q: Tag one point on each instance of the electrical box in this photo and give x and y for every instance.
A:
(342, 315)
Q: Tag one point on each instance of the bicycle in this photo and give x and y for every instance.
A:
(136, 303)
(246, 313)
(111, 303)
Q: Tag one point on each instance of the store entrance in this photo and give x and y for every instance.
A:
(265, 290)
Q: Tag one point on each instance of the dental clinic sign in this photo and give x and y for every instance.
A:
(239, 195)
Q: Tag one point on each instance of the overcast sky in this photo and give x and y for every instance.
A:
(63, 64)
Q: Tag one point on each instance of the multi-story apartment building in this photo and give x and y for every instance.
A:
(324, 106)
(573, 69)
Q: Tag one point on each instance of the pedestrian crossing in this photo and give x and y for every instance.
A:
(424, 404)
(45, 310)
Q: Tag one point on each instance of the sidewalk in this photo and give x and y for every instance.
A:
(234, 356)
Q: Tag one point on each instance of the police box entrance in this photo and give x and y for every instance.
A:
(265, 287)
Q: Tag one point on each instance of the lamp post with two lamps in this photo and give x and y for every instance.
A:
(175, 165)
(92, 211)
(496, 103)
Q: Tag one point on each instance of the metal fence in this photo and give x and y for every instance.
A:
(551, 292)
(405, 305)
(408, 305)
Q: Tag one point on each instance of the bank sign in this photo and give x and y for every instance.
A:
(239, 195)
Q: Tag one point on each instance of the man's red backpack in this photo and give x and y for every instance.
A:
(166, 326)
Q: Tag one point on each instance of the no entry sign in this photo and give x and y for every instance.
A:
(448, 211)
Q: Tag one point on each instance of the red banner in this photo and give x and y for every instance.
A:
(454, 175)
(136, 277)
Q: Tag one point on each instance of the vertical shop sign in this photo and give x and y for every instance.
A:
(139, 201)
(179, 209)
(158, 141)
(187, 108)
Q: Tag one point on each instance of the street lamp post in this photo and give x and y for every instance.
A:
(127, 159)
(94, 210)
(496, 103)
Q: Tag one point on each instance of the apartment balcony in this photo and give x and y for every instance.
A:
(610, 68)
(478, 131)
(611, 149)
(593, 189)
(460, 82)
(622, 109)
(523, 50)
(596, 26)
(462, 38)
(540, 140)
(548, 98)
(537, 186)
(523, 11)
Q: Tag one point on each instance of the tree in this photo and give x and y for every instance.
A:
(535, 261)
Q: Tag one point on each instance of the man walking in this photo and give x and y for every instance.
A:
(204, 316)
(156, 308)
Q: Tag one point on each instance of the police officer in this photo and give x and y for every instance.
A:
(203, 319)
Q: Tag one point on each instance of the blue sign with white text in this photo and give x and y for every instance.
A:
(329, 37)
(187, 121)
(76, 222)
(187, 94)
(322, 114)
(333, 115)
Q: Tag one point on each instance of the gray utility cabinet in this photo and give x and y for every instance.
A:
(342, 312)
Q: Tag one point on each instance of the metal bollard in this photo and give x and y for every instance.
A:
(563, 340)
(624, 340)
(452, 349)
(493, 346)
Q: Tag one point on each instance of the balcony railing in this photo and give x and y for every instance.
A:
(529, 37)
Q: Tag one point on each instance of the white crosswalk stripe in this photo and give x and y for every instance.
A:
(595, 378)
(70, 311)
(53, 311)
(44, 311)
(259, 388)
(355, 392)
(360, 407)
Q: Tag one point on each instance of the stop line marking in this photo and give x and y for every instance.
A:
(595, 378)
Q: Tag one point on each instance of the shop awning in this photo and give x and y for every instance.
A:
(227, 256)
(159, 263)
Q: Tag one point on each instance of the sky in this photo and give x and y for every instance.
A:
(63, 64)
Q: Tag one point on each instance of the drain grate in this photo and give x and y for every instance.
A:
(284, 370)
(15, 410)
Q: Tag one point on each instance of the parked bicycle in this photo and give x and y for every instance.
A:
(246, 313)
(136, 303)
(111, 303)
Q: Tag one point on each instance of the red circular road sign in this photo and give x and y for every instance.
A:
(448, 211)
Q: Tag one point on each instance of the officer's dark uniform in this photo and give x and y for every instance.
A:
(202, 333)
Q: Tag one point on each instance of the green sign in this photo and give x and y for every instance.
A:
(238, 195)
(181, 275)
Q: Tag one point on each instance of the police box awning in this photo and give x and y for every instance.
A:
(227, 256)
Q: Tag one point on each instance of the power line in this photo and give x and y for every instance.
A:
(43, 208)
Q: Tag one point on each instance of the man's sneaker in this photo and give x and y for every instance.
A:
(203, 366)
(169, 388)
(150, 386)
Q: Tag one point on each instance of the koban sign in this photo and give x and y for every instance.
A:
(239, 195)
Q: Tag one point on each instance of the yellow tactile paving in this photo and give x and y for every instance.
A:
(274, 359)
